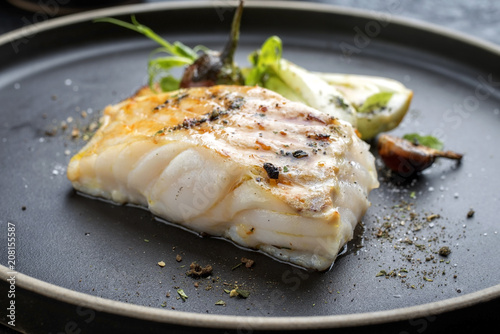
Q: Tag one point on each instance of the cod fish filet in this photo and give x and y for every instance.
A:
(234, 161)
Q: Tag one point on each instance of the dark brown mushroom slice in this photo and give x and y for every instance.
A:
(217, 68)
(407, 158)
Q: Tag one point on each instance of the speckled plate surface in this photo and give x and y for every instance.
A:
(94, 263)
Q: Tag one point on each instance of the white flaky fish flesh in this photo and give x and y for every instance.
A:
(234, 161)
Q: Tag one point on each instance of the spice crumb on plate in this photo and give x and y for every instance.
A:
(444, 251)
(248, 262)
(196, 270)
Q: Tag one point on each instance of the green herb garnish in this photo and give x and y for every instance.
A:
(339, 102)
(182, 294)
(269, 54)
(375, 101)
(236, 266)
(428, 141)
(243, 293)
(172, 54)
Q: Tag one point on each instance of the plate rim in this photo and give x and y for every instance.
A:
(278, 4)
(184, 318)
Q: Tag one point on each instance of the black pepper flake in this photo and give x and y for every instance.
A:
(322, 136)
(299, 154)
(237, 103)
(339, 102)
(319, 136)
(216, 113)
(471, 213)
(272, 171)
(189, 123)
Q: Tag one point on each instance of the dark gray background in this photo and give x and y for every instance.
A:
(478, 18)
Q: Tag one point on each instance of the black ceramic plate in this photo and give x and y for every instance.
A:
(81, 263)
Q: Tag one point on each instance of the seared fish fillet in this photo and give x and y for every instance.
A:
(234, 161)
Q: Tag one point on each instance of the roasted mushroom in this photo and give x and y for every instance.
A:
(214, 68)
(406, 157)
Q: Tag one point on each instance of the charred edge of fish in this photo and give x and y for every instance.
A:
(177, 99)
(189, 123)
(159, 107)
(180, 96)
(319, 136)
(272, 171)
(216, 113)
(310, 117)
